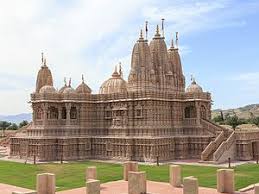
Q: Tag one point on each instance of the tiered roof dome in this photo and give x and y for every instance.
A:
(194, 88)
(47, 90)
(115, 84)
(44, 76)
(83, 88)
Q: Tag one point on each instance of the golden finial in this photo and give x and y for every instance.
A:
(69, 83)
(141, 34)
(157, 29)
(176, 40)
(42, 57)
(193, 79)
(120, 69)
(146, 28)
(65, 81)
(172, 43)
(163, 31)
(45, 62)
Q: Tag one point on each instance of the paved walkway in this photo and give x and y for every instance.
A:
(8, 189)
(121, 187)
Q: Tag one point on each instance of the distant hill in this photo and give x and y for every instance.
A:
(244, 112)
(16, 118)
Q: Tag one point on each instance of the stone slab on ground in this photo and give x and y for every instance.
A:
(121, 187)
(8, 189)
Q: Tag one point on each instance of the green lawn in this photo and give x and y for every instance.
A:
(72, 175)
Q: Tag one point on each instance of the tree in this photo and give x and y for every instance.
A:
(232, 121)
(255, 121)
(13, 126)
(4, 125)
(218, 119)
(23, 123)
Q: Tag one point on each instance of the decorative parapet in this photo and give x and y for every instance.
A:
(224, 147)
(212, 146)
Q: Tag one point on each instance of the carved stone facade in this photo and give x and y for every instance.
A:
(150, 117)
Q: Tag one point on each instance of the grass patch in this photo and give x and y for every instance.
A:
(72, 175)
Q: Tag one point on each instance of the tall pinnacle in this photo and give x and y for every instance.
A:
(83, 80)
(146, 29)
(42, 57)
(65, 81)
(176, 40)
(141, 35)
(157, 30)
(172, 44)
(120, 70)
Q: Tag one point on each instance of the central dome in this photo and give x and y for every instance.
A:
(47, 90)
(194, 88)
(115, 84)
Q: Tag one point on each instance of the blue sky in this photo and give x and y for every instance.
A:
(219, 44)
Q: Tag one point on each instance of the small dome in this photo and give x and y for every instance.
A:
(62, 89)
(194, 88)
(116, 84)
(44, 76)
(47, 90)
(83, 89)
(69, 90)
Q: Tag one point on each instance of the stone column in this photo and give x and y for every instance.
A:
(91, 173)
(256, 189)
(175, 175)
(93, 186)
(190, 185)
(68, 108)
(137, 183)
(198, 113)
(46, 183)
(225, 181)
(59, 113)
(129, 166)
(45, 109)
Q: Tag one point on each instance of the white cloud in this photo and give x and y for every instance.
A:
(196, 16)
(88, 37)
(250, 79)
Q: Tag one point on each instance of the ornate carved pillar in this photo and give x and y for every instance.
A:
(68, 108)
(33, 113)
(45, 110)
(59, 113)
(198, 112)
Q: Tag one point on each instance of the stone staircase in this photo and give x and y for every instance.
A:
(3, 151)
(222, 147)
(6, 140)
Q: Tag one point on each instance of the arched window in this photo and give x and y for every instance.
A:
(52, 113)
(190, 112)
(39, 113)
(73, 113)
(64, 113)
(203, 112)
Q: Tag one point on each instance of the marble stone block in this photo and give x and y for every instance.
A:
(225, 181)
(129, 166)
(190, 185)
(175, 175)
(256, 188)
(137, 182)
(91, 173)
(46, 183)
(93, 186)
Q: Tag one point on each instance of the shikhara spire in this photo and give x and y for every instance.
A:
(176, 40)
(163, 30)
